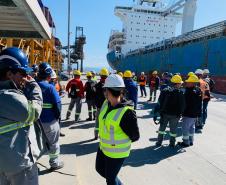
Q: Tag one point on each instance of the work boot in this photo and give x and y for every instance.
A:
(150, 99)
(158, 144)
(183, 144)
(57, 167)
(68, 115)
(61, 134)
(89, 119)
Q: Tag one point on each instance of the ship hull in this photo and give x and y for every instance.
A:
(208, 53)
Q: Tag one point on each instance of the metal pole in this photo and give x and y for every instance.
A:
(69, 20)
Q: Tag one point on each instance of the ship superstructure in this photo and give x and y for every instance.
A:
(146, 24)
(193, 49)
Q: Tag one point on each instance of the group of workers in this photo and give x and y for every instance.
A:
(32, 109)
(29, 118)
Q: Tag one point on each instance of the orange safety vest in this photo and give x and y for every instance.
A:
(57, 86)
(204, 86)
(142, 81)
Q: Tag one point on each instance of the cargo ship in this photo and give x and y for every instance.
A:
(147, 41)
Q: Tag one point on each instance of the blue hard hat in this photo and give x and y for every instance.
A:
(44, 70)
(34, 67)
(13, 58)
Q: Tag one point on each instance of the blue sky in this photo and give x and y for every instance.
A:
(97, 18)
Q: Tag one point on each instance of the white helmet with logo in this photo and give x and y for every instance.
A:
(199, 72)
(114, 81)
(206, 71)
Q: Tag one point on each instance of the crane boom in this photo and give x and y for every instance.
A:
(177, 6)
(188, 13)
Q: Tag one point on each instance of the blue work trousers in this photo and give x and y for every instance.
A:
(188, 130)
(143, 90)
(109, 168)
(204, 111)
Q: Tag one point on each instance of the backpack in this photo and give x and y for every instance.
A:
(90, 89)
(74, 91)
(172, 103)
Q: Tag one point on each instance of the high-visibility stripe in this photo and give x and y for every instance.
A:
(115, 142)
(172, 135)
(162, 132)
(191, 135)
(115, 150)
(185, 137)
(95, 110)
(118, 114)
(55, 155)
(90, 111)
(104, 105)
(13, 126)
(47, 106)
(31, 113)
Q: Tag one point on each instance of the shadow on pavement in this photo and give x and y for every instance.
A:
(66, 123)
(84, 126)
(146, 105)
(151, 155)
(80, 148)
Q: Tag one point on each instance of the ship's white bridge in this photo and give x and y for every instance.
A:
(23, 19)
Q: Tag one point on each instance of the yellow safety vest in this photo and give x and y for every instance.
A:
(114, 143)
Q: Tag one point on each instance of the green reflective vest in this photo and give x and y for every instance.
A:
(114, 143)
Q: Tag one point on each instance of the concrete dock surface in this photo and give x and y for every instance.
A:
(202, 164)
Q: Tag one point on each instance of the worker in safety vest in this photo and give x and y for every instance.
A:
(75, 91)
(117, 130)
(21, 106)
(193, 109)
(208, 79)
(50, 115)
(99, 97)
(143, 82)
(94, 78)
(172, 104)
(134, 77)
(90, 97)
(131, 88)
(204, 86)
(154, 85)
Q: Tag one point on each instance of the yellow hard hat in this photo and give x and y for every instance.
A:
(120, 74)
(89, 74)
(176, 79)
(77, 72)
(190, 74)
(104, 72)
(192, 79)
(155, 72)
(128, 74)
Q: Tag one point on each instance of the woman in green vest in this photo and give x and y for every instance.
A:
(117, 130)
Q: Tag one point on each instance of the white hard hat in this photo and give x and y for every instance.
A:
(142, 73)
(53, 74)
(114, 81)
(199, 72)
(206, 71)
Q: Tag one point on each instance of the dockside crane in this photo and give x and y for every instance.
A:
(189, 11)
